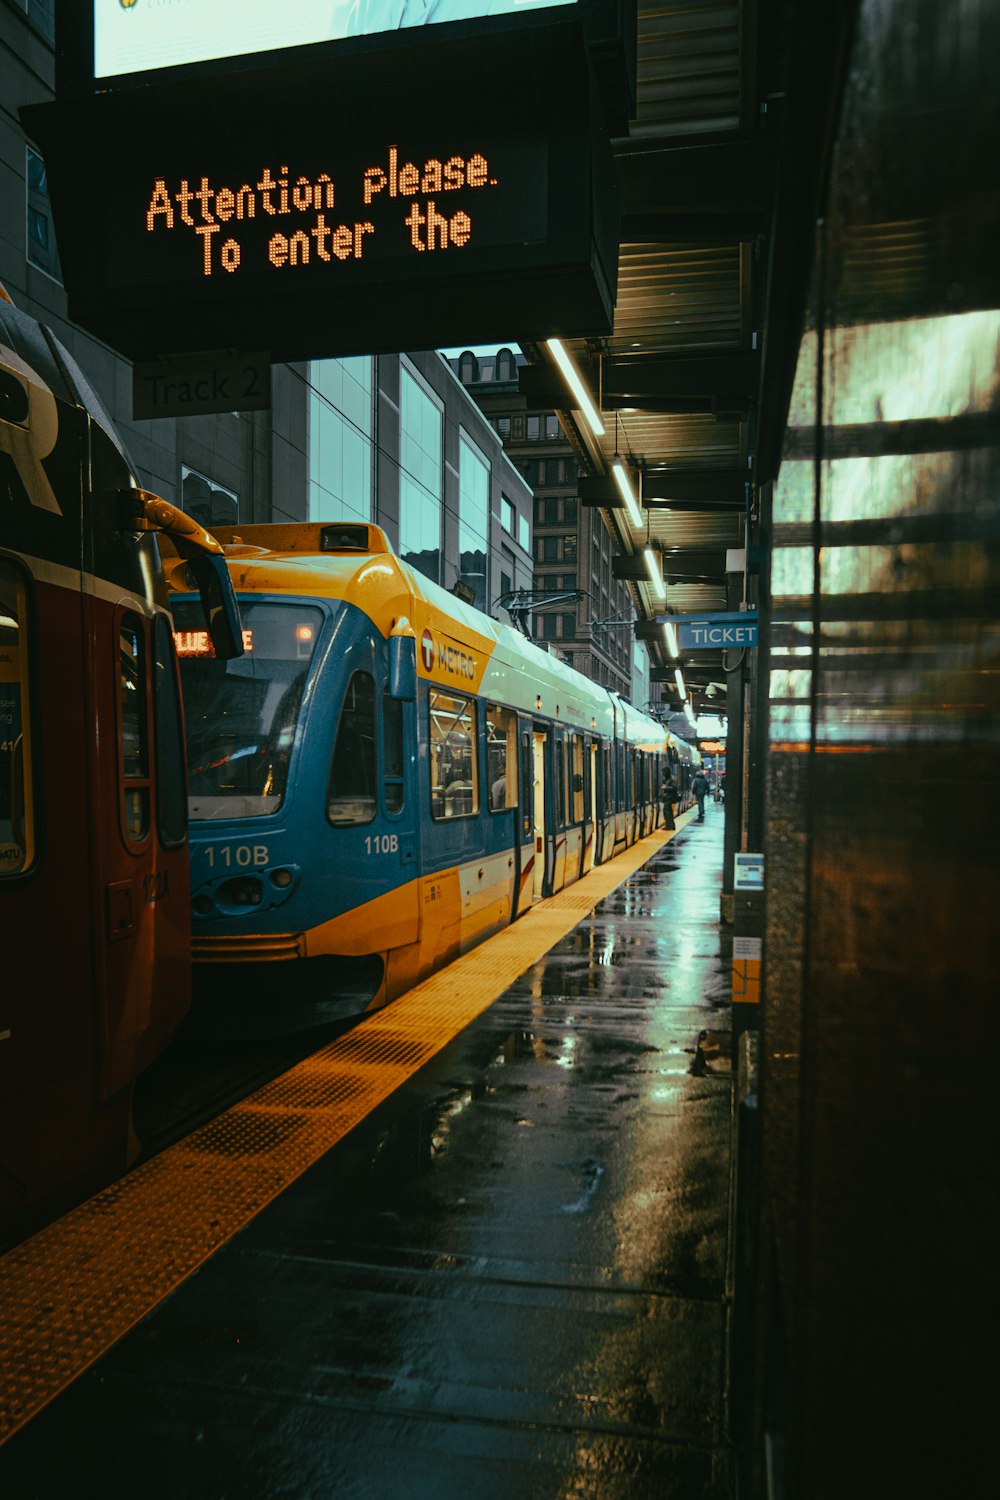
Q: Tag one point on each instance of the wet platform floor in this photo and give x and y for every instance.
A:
(510, 1280)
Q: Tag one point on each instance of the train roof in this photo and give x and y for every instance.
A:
(457, 645)
(38, 353)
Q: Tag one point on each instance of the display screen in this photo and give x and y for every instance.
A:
(133, 36)
(325, 204)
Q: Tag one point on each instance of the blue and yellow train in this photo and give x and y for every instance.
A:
(387, 776)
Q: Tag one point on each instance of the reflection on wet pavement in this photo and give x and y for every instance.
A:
(509, 1281)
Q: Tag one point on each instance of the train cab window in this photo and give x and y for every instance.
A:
(454, 770)
(392, 753)
(352, 793)
(133, 726)
(168, 740)
(577, 781)
(501, 756)
(242, 715)
(17, 820)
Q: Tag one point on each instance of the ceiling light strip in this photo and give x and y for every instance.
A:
(571, 376)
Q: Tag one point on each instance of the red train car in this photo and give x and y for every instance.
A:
(94, 909)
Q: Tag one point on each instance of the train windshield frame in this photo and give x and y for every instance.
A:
(241, 716)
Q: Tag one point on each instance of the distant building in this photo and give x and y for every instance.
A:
(396, 440)
(572, 546)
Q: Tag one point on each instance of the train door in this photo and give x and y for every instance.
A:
(540, 831)
(590, 794)
(399, 806)
(577, 811)
(559, 821)
(525, 854)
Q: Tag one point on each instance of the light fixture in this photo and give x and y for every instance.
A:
(671, 635)
(680, 684)
(625, 489)
(655, 572)
(572, 378)
(690, 713)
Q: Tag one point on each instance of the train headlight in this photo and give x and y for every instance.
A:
(282, 878)
(203, 905)
(245, 892)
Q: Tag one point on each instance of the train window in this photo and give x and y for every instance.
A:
(501, 756)
(560, 748)
(16, 802)
(352, 794)
(392, 753)
(133, 725)
(577, 782)
(242, 715)
(168, 744)
(454, 772)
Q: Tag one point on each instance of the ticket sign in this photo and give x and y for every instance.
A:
(707, 632)
(339, 207)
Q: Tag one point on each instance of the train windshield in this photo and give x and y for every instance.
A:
(241, 715)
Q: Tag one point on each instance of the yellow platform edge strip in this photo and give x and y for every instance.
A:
(74, 1289)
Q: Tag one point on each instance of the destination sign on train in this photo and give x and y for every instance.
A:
(340, 205)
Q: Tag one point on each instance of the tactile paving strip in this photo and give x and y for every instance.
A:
(74, 1289)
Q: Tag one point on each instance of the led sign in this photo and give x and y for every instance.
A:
(341, 204)
(267, 218)
(199, 642)
(134, 36)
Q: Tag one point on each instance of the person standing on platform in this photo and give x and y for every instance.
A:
(668, 796)
(700, 788)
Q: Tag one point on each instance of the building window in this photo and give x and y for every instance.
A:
(570, 512)
(41, 246)
(569, 627)
(550, 512)
(473, 519)
(421, 469)
(468, 368)
(503, 427)
(506, 365)
(507, 515)
(550, 548)
(569, 546)
(341, 426)
(533, 428)
(524, 533)
(552, 425)
(41, 14)
(207, 502)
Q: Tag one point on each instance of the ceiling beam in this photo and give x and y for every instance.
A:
(699, 565)
(670, 184)
(730, 373)
(664, 489)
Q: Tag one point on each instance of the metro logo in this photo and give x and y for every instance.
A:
(449, 659)
(458, 663)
